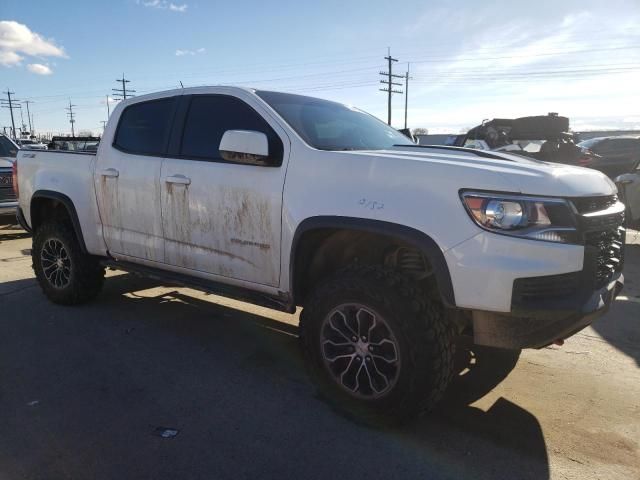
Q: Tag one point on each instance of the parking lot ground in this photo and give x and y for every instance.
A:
(155, 381)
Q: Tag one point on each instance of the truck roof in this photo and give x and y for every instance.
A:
(185, 91)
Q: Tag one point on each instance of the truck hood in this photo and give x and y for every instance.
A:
(519, 174)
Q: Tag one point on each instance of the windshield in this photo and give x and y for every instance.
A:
(589, 143)
(329, 125)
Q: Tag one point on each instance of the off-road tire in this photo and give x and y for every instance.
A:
(425, 340)
(86, 275)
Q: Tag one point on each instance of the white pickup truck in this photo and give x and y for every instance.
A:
(393, 250)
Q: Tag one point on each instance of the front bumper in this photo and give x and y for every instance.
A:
(527, 294)
(537, 324)
(8, 207)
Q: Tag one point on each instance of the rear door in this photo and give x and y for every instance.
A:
(220, 218)
(127, 180)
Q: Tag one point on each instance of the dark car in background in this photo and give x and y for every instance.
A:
(8, 152)
(615, 155)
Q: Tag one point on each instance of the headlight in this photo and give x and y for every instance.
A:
(538, 218)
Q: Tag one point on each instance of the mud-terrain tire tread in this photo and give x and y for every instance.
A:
(428, 359)
(87, 275)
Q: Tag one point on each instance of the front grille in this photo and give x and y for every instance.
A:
(604, 236)
(608, 247)
(6, 188)
(603, 222)
(594, 204)
(545, 288)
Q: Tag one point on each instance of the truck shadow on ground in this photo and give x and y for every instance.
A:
(620, 327)
(108, 376)
(9, 230)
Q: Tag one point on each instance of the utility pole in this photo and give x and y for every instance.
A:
(390, 83)
(10, 104)
(27, 102)
(406, 95)
(124, 91)
(72, 120)
(23, 125)
(104, 124)
(108, 112)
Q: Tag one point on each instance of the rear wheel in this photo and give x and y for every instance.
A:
(66, 275)
(376, 345)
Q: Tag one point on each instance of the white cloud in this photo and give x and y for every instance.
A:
(39, 69)
(16, 37)
(16, 40)
(9, 59)
(182, 53)
(579, 63)
(163, 5)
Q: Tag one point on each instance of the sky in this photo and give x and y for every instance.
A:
(469, 60)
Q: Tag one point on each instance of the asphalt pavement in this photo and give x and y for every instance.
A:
(159, 382)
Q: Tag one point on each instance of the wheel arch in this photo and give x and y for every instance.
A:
(304, 241)
(41, 200)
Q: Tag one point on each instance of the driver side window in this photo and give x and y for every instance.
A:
(210, 116)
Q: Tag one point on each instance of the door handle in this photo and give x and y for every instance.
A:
(110, 172)
(178, 179)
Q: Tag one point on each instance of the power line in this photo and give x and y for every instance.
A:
(450, 59)
(390, 83)
(122, 92)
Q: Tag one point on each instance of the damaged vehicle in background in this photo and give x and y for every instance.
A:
(544, 137)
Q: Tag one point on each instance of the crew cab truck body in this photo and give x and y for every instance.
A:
(392, 249)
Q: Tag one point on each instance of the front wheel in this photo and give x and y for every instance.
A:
(376, 345)
(66, 274)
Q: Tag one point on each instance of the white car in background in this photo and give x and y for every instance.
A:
(29, 144)
(629, 189)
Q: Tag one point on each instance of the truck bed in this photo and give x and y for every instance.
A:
(65, 175)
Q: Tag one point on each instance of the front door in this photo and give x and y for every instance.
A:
(222, 218)
(127, 181)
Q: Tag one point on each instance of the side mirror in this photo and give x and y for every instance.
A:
(245, 146)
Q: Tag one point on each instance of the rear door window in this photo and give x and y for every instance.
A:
(144, 127)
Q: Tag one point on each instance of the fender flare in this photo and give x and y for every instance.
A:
(420, 240)
(68, 204)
